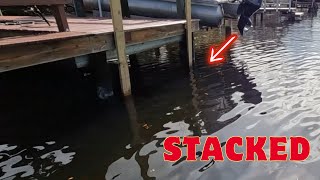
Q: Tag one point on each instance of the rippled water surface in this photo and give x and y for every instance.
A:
(52, 126)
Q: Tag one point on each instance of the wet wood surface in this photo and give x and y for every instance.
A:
(86, 36)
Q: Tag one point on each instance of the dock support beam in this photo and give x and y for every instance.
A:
(61, 18)
(184, 12)
(227, 24)
(119, 36)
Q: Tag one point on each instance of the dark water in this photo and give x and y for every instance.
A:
(52, 126)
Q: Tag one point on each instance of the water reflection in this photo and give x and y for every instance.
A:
(211, 90)
(254, 93)
(36, 162)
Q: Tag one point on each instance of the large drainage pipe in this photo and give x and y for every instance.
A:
(209, 15)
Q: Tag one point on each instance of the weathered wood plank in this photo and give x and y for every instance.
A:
(57, 7)
(147, 45)
(116, 13)
(43, 48)
(90, 25)
(132, 36)
(31, 54)
(154, 33)
(48, 51)
(23, 41)
(32, 2)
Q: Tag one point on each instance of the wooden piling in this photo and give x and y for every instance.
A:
(119, 36)
(189, 31)
(126, 14)
(228, 31)
(60, 16)
(227, 28)
(184, 12)
(261, 17)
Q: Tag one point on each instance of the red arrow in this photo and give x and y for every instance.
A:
(214, 56)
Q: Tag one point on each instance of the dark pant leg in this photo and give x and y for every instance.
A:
(246, 9)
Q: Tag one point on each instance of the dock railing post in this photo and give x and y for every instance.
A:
(227, 28)
(119, 37)
(189, 31)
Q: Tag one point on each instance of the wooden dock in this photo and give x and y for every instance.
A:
(29, 41)
(34, 42)
(44, 43)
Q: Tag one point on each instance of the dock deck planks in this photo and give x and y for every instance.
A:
(86, 36)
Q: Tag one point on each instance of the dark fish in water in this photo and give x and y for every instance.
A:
(245, 10)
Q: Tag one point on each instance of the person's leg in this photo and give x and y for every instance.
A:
(246, 9)
(241, 24)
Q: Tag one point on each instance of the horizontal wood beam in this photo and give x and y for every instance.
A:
(141, 47)
(142, 35)
(132, 36)
(50, 51)
(33, 2)
(44, 48)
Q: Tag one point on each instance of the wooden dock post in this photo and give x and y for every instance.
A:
(184, 12)
(227, 28)
(189, 31)
(132, 58)
(61, 18)
(119, 36)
